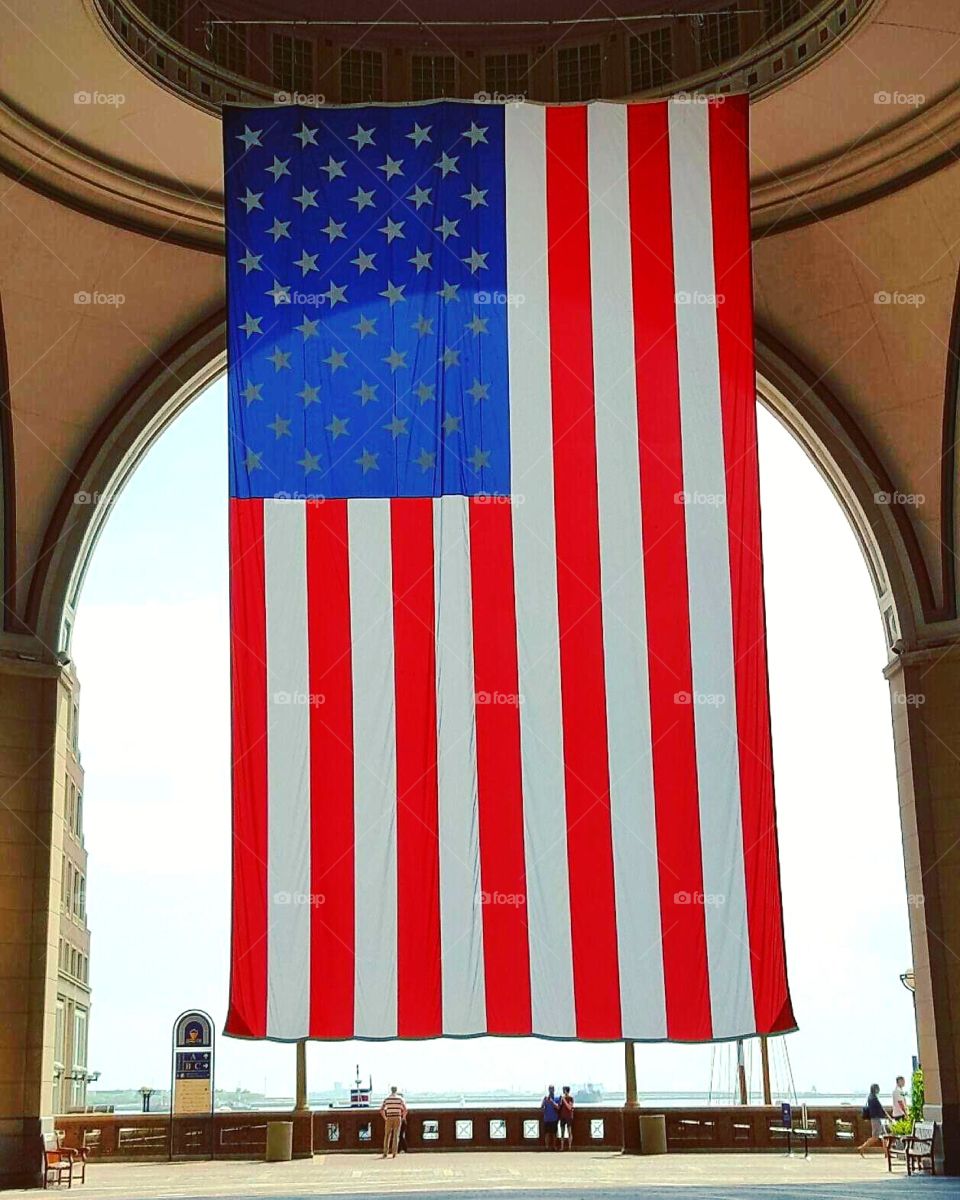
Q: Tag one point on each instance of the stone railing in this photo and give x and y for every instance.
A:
(775, 56)
(111, 1137)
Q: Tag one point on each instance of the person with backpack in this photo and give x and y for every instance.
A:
(877, 1114)
(550, 1108)
(566, 1119)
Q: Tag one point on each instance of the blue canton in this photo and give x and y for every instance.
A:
(366, 280)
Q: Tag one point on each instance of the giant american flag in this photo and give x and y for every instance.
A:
(501, 735)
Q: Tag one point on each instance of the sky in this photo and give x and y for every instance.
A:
(151, 650)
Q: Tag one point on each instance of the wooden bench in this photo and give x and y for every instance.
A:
(913, 1149)
(60, 1162)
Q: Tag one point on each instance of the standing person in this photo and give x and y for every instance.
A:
(898, 1105)
(566, 1119)
(877, 1114)
(550, 1107)
(393, 1110)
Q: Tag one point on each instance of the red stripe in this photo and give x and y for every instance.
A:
(589, 842)
(686, 979)
(418, 857)
(331, 772)
(247, 1016)
(729, 170)
(506, 952)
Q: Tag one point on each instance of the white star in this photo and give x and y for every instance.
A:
(363, 137)
(451, 424)
(280, 359)
(306, 199)
(392, 229)
(475, 134)
(278, 230)
(280, 293)
(426, 459)
(250, 137)
(307, 262)
(308, 328)
(363, 261)
(425, 392)
(335, 295)
(396, 359)
(365, 325)
(335, 359)
(250, 262)
(252, 392)
(418, 135)
(447, 228)
(252, 200)
(334, 229)
(478, 325)
(421, 260)
(479, 459)
(449, 292)
(423, 325)
(252, 460)
(393, 293)
(368, 461)
(479, 391)
(475, 196)
(420, 196)
(307, 137)
(309, 395)
(362, 199)
(337, 427)
(309, 462)
(251, 325)
(334, 169)
(280, 426)
(476, 261)
(278, 168)
(451, 358)
(366, 392)
(448, 164)
(391, 167)
(397, 426)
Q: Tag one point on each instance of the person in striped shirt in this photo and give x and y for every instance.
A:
(393, 1110)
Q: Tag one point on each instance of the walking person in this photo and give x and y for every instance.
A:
(566, 1119)
(877, 1114)
(550, 1108)
(898, 1105)
(393, 1110)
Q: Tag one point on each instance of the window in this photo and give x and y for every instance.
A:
(163, 13)
(63, 882)
(433, 75)
(292, 63)
(229, 47)
(719, 37)
(82, 898)
(651, 54)
(578, 72)
(71, 807)
(361, 76)
(781, 13)
(506, 74)
(58, 1036)
(78, 828)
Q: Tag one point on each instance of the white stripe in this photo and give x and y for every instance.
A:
(375, 768)
(535, 567)
(288, 770)
(461, 930)
(633, 817)
(708, 567)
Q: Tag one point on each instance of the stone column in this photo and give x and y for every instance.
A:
(925, 695)
(34, 700)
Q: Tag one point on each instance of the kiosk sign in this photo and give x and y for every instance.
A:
(192, 1064)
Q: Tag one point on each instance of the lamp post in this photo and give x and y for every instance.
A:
(301, 1104)
(146, 1093)
(630, 1066)
(909, 981)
